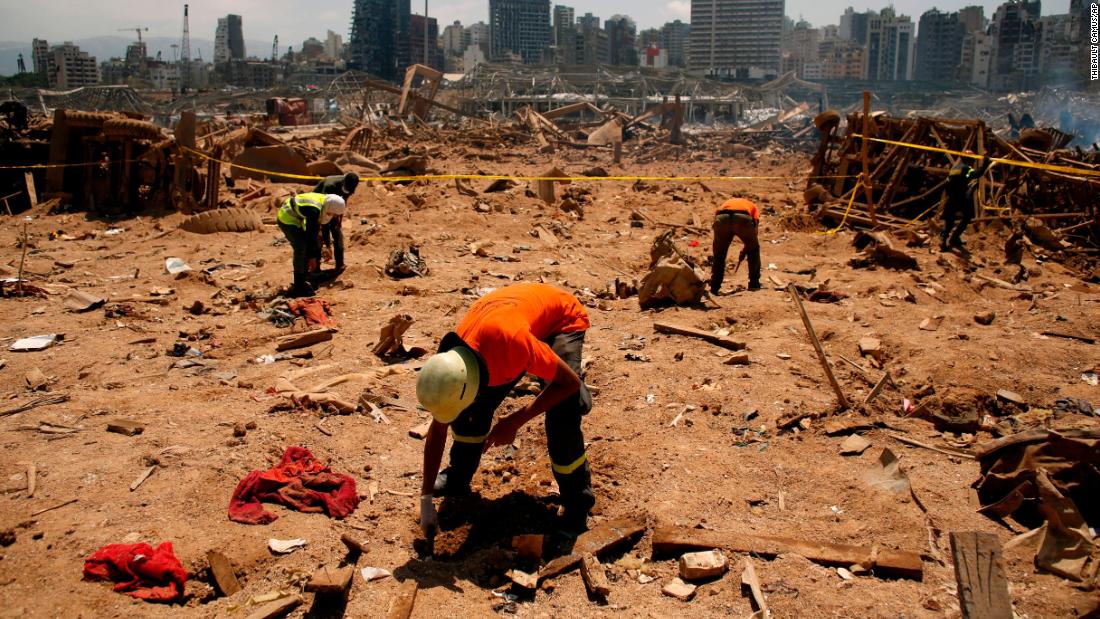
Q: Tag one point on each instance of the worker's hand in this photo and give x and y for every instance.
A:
(312, 265)
(429, 518)
(503, 433)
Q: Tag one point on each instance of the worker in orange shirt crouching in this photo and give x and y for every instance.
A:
(737, 217)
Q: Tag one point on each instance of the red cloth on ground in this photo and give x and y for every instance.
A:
(315, 311)
(300, 482)
(139, 570)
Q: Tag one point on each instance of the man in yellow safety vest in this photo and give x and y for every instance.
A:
(300, 218)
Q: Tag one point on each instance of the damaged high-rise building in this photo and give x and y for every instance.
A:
(736, 38)
(519, 28)
(380, 42)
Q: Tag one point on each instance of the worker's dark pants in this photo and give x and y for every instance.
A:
(963, 211)
(564, 439)
(300, 244)
(729, 224)
(332, 234)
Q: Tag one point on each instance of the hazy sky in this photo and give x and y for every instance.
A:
(296, 20)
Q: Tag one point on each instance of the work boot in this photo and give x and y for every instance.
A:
(754, 285)
(445, 486)
(576, 499)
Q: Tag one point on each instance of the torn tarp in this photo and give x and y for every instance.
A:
(1044, 476)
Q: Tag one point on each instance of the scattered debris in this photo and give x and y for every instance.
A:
(679, 589)
(700, 565)
(285, 546)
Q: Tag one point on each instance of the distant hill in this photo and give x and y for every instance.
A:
(109, 47)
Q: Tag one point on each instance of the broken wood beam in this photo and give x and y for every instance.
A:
(225, 577)
(942, 450)
(276, 608)
(717, 340)
(355, 546)
(402, 605)
(752, 583)
(301, 340)
(594, 541)
(979, 573)
(843, 401)
(899, 563)
(595, 579)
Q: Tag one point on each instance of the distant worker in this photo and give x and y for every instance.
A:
(524, 328)
(301, 218)
(958, 204)
(332, 233)
(737, 217)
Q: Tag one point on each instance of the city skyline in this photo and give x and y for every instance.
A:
(264, 20)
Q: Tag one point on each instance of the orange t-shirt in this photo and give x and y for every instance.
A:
(506, 327)
(741, 204)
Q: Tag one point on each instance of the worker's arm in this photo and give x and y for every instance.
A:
(566, 384)
(433, 455)
(320, 188)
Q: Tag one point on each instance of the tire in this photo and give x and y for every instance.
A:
(123, 128)
(223, 220)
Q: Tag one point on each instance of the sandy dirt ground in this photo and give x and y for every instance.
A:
(719, 468)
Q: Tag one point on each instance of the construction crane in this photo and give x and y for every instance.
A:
(136, 29)
(275, 49)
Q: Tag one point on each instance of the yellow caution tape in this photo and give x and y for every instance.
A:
(1012, 162)
(491, 177)
(847, 210)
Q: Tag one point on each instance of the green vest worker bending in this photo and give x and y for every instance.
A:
(300, 218)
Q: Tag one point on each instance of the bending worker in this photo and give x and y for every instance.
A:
(332, 233)
(958, 194)
(737, 217)
(524, 328)
(300, 218)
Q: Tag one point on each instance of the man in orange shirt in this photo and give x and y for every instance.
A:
(737, 217)
(524, 328)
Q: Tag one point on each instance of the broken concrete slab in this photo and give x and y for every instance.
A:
(523, 579)
(705, 564)
(36, 380)
(854, 445)
(871, 347)
(679, 589)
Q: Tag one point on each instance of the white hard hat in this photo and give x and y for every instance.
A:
(448, 383)
(334, 205)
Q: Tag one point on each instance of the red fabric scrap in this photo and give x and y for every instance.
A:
(315, 311)
(300, 482)
(139, 570)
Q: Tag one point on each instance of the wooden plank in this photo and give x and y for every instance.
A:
(717, 340)
(141, 478)
(225, 578)
(749, 579)
(900, 563)
(979, 573)
(301, 340)
(595, 579)
(53, 507)
(328, 580)
(402, 605)
(32, 195)
(843, 401)
(594, 541)
(276, 608)
(942, 450)
(32, 479)
(878, 388)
